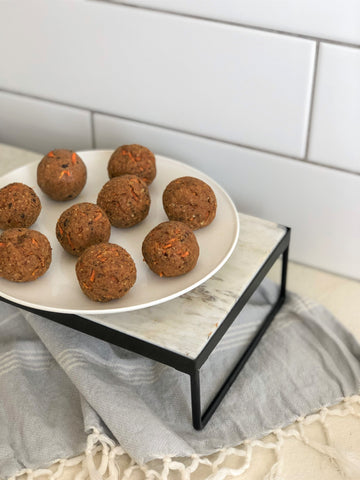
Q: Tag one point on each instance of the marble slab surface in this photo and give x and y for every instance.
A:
(184, 325)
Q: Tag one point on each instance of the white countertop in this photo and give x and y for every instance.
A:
(300, 461)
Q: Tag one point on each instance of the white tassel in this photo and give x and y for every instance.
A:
(108, 466)
(348, 462)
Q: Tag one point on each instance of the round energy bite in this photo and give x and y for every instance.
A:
(190, 200)
(125, 200)
(25, 254)
(61, 174)
(82, 225)
(170, 249)
(19, 206)
(134, 159)
(105, 272)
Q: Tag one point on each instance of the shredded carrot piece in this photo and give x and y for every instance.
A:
(34, 242)
(161, 274)
(132, 191)
(185, 254)
(128, 154)
(69, 240)
(2, 244)
(51, 154)
(97, 217)
(65, 172)
(61, 230)
(92, 276)
(73, 158)
(167, 246)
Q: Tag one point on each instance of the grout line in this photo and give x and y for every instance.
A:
(323, 165)
(232, 23)
(312, 99)
(178, 130)
(92, 129)
(44, 99)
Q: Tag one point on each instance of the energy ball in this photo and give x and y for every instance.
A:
(61, 174)
(190, 200)
(134, 159)
(81, 226)
(19, 206)
(170, 249)
(25, 254)
(105, 272)
(125, 200)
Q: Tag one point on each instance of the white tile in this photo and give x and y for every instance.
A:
(327, 19)
(222, 81)
(335, 132)
(320, 204)
(41, 126)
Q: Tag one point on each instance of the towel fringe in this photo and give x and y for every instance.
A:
(100, 461)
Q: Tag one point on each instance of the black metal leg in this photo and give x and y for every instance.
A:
(196, 400)
(199, 421)
(285, 258)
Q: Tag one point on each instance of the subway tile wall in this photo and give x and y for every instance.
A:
(190, 83)
(266, 101)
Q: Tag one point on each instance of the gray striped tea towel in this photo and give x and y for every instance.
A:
(57, 385)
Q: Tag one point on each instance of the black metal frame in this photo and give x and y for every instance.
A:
(199, 420)
(178, 361)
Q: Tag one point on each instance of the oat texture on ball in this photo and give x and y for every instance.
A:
(82, 225)
(171, 249)
(61, 174)
(125, 200)
(105, 272)
(134, 159)
(190, 200)
(25, 254)
(19, 206)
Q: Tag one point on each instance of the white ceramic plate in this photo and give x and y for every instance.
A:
(58, 289)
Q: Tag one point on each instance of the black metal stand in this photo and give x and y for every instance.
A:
(176, 360)
(199, 420)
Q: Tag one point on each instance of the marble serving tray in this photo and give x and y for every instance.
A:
(185, 325)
